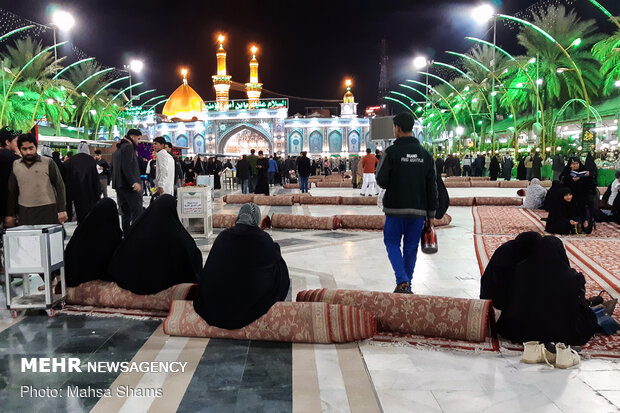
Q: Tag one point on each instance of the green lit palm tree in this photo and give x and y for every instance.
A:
(561, 82)
(607, 51)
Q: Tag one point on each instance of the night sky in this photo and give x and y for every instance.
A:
(307, 48)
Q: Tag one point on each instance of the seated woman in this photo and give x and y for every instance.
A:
(583, 187)
(496, 282)
(534, 195)
(157, 253)
(547, 300)
(552, 195)
(244, 274)
(563, 215)
(90, 249)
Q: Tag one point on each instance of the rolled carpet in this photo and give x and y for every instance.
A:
(228, 221)
(445, 220)
(513, 184)
(99, 293)
(303, 222)
(361, 221)
(457, 179)
(273, 200)
(224, 220)
(457, 184)
(462, 201)
(285, 321)
(346, 184)
(359, 200)
(238, 198)
(446, 317)
(319, 200)
(479, 178)
(496, 200)
(484, 184)
(290, 186)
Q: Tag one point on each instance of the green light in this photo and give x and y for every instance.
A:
(510, 116)
(576, 43)
(479, 122)
(471, 59)
(431, 115)
(466, 89)
(475, 39)
(92, 76)
(21, 29)
(419, 109)
(152, 99)
(72, 65)
(428, 105)
(397, 101)
(530, 25)
(603, 9)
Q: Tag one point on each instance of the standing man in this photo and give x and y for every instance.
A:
(507, 165)
(126, 178)
(252, 159)
(354, 165)
(529, 162)
(36, 192)
(272, 170)
(369, 163)
(164, 173)
(303, 168)
(8, 155)
(243, 173)
(82, 183)
(103, 167)
(407, 173)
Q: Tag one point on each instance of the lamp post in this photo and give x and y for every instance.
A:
(63, 21)
(133, 66)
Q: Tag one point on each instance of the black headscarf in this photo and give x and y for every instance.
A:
(243, 277)
(590, 165)
(552, 195)
(547, 300)
(82, 182)
(157, 253)
(498, 276)
(92, 245)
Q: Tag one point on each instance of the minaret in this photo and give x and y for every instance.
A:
(348, 107)
(253, 89)
(221, 81)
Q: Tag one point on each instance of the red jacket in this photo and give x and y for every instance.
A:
(369, 163)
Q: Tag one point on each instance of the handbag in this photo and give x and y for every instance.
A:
(429, 238)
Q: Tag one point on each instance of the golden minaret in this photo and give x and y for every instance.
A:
(253, 89)
(221, 81)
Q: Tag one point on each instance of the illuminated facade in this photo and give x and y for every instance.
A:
(233, 127)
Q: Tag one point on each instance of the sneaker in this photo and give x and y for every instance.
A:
(535, 352)
(565, 356)
(403, 288)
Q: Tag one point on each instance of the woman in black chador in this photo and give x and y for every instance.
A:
(547, 300)
(494, 168)
(157, 253)
(582, 184)
(521, 171)
(244, 274)
(496, 282)
(262, 165)
(563, 213)
(92, 245)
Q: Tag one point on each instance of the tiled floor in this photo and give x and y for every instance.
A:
(229, 376)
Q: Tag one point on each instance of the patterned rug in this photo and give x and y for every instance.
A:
(595, 255)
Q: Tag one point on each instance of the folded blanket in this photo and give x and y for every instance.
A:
(289, 322)
(446, 317)
(99, 293)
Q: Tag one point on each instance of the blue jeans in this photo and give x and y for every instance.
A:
(410, 231)
(303, 184)
(244, 186)
(270, 176)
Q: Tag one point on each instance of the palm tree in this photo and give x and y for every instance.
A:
(561, 81)
(607, 51)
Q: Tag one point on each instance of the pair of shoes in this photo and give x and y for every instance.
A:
(403, 288)
(362, 194)
(535, 352)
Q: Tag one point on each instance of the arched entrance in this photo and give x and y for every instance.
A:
(240, 140)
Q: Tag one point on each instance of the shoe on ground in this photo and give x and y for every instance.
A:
(362, 194)
(535, 352)
(566, 357)
(403, 288)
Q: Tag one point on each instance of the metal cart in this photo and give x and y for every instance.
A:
(34, 249)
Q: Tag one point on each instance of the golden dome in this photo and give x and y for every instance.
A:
(348, 97)
(184, 103)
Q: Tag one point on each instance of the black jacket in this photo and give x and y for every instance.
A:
(125, 169)
(407, 173)
(106, 168)
(6, 167)
(303, 166)
(243, 169)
